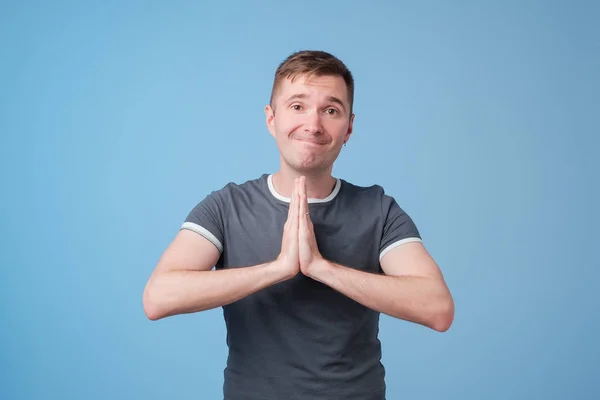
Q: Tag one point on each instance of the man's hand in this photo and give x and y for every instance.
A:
(309, 254)
(288, 259)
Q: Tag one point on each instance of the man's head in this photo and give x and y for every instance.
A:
(310, 114)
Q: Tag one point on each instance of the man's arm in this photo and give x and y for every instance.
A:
(412, 288)
(183, 280)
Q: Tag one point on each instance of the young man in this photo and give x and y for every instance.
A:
(305, 262)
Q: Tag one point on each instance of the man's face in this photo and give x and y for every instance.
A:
(311, 121)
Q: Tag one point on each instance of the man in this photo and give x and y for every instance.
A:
(305, 262)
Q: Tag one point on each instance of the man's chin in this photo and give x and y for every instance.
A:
(309, 163)
(311, 167)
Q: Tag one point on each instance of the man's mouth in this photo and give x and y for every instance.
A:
(311, 141)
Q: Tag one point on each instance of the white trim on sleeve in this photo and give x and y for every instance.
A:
(203, 232)
(398, 243)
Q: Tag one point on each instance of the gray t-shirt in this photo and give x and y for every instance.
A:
(300, 339)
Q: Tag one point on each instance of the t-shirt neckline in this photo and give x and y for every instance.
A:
(331, 196)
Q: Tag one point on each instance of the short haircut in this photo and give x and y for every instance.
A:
(313, 63)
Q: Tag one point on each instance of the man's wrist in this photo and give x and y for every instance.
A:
(319, 269)
(278, 272)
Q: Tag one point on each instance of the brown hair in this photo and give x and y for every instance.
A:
(313, 63)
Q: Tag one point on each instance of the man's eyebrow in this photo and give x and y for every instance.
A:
(296, 96)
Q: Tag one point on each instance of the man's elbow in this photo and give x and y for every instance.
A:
(444, 316)
(152, 313)
(152, 310)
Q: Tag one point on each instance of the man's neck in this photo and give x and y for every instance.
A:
(318, 185)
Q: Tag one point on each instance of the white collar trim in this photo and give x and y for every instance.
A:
(336, 189)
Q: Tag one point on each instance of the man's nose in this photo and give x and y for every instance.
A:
(313, 123)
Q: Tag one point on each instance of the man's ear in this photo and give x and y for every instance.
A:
(270, 119)
(350, 127)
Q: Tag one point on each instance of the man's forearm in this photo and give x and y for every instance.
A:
(421, 300)
(180, 292)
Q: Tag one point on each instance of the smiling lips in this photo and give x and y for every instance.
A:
(310, 141)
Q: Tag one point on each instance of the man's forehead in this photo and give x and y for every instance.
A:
(326, 81)
(306, 86)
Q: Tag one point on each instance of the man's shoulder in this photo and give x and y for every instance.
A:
(249, 185)
(248, 191)
(373, 192)
(369, 198)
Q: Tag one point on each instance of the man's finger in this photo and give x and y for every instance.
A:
(303, 201)
(294, 204)
(306, 213)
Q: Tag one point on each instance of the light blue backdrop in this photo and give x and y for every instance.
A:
(116, 118)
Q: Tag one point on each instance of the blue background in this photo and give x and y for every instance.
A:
(116, 118)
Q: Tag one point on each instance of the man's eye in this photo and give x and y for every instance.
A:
(296, 107)
(331, 111)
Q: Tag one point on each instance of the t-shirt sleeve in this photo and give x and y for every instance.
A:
(206, 219)
(398, 228)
